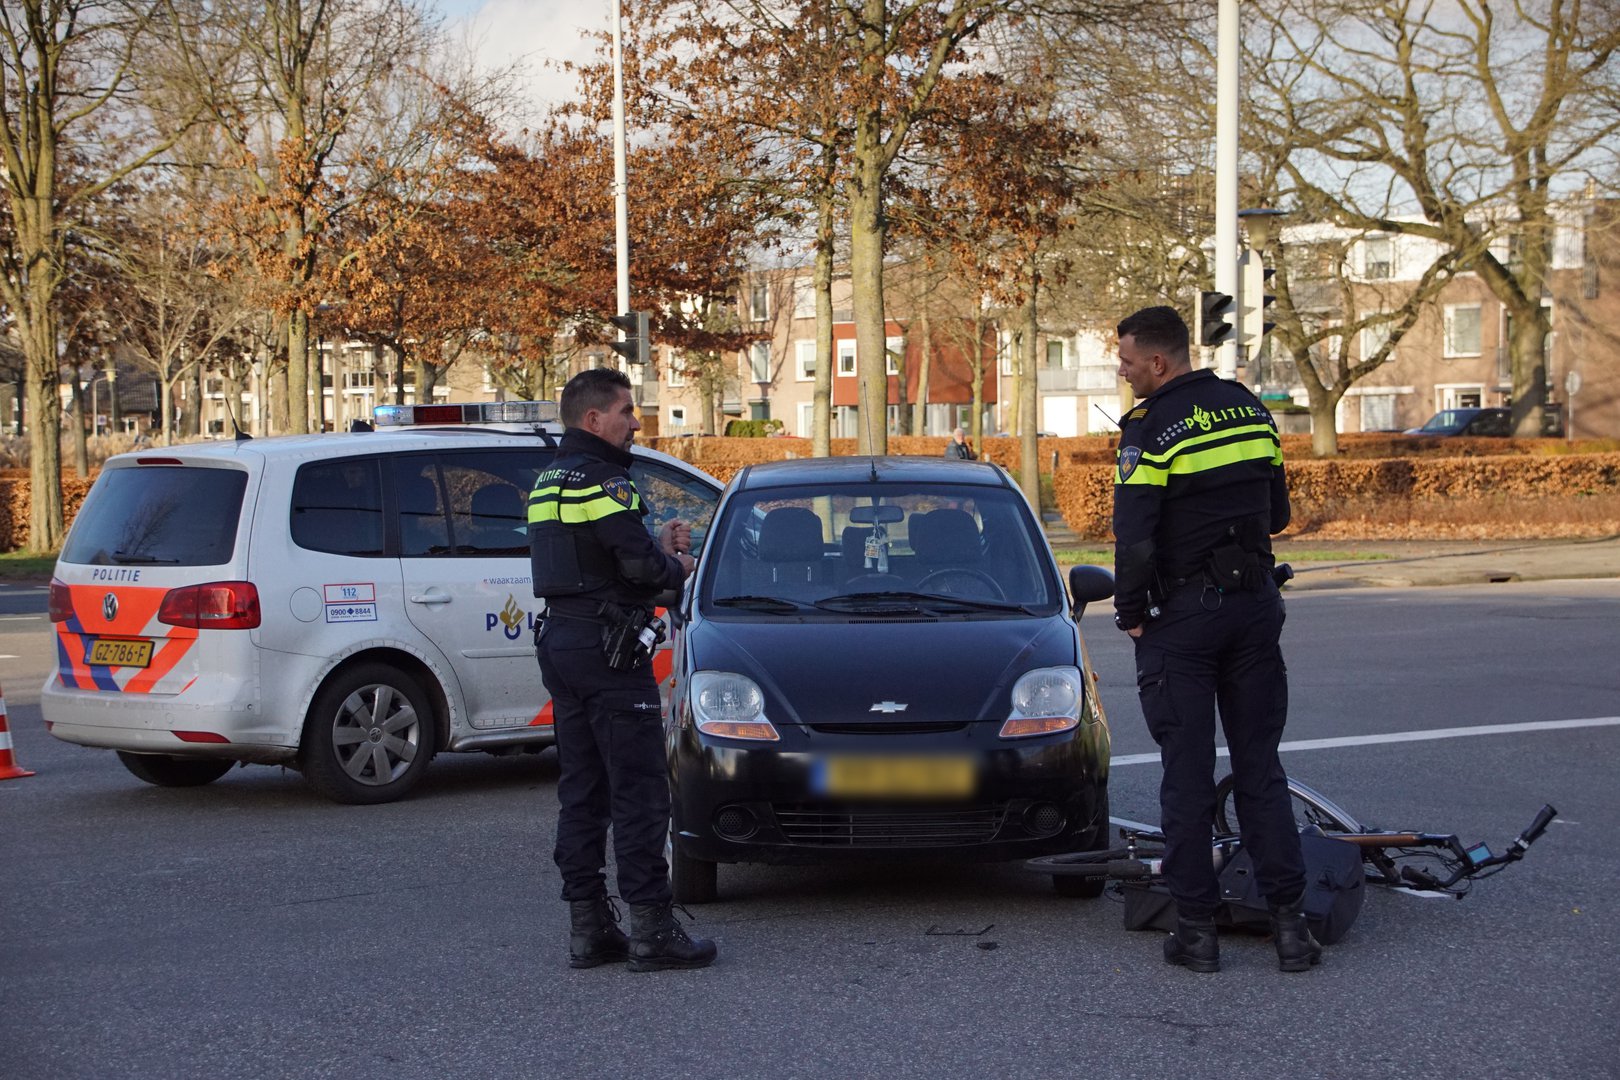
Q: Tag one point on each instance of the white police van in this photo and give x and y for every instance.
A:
(348, 604)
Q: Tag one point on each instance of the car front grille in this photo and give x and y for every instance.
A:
(890, 727)
(910, 827)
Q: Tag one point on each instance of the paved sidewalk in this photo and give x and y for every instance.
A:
(1404, 563)
(1449, 562)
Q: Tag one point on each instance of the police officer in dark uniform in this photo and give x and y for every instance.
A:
(1198, 491)
(599, 571)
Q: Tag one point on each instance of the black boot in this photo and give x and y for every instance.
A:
(596, 937)
(1193, 945)
(1297, 950)
(658, 942)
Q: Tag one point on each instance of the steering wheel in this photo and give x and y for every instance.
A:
(978, 577)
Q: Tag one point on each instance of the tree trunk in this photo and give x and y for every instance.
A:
(1029, 466)
(115, 415)
(298, 379)
(1324, 402)
(38, 331)
(81, 451)
(821, 280)
(866, 227)
(925, 365)
(1527, 348)
(166, 411)
(866, 279)
(976, 420)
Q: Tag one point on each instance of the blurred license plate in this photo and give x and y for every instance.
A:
(903, 777)
(120, 653)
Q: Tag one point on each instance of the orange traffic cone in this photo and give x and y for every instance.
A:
(9, 769)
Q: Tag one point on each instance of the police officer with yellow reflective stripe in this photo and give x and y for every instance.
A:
(1198, 491)
(599, 571)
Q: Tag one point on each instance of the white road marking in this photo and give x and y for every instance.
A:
(7, 656)
(20, 618)
(1406, 736)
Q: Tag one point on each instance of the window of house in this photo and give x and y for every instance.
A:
(804, 300)
(1373, 338)
(676, 376)
(1378, 258)
(807, 418)
(893, 350)
(759, 302)
(759, 362)
(804, 360)
(846, 357)
(1054, 354)
(1004, 352)
(1462, 330)
(1378, 412)
(677, 416)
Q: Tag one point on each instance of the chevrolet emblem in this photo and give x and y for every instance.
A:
(887, 707)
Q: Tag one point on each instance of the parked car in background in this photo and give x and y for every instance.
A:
(1492, 422)
(875, 660)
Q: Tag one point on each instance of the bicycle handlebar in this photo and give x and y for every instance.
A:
(1537, 827)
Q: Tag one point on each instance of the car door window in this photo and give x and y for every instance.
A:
(419, 502)
(670, 493)
(487, 495)
(337, 507)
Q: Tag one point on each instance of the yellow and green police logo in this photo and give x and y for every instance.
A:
(1128, 457)
(620, 490)
(1202, 418)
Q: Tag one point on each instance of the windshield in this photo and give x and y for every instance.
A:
(878, 549)
(1448, 420)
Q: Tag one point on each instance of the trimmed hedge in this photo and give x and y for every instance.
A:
(1522, 488)
(1408, 498)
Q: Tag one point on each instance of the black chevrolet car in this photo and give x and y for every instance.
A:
(876, 659)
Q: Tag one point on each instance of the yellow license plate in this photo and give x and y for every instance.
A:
(898, 777)
(115, 653)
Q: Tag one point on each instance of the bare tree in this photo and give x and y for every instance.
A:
(1452, 122)
(64, 65)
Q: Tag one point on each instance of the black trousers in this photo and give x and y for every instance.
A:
(610, 746)
(1206, 650)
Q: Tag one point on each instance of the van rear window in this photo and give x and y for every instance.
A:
(158, 516)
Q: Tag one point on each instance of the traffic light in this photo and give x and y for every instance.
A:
(1214, 308)
(636, 348)
(1252, 323)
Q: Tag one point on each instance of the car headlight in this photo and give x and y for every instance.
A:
(1044, 702)
(731, 706)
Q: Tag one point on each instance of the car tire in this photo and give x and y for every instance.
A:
(692, 881)
(164, 770)
(1072, 887)
(369, 735)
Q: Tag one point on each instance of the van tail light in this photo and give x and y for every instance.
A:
(218, 605)
(61, 602)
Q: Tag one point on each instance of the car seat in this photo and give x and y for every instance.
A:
(498, 519)
(946, 538)
(791, 551)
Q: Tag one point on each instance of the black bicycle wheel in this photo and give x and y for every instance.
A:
(1311, 807)
(1085, 864)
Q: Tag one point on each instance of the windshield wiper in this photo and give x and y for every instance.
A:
(903, 601)
(145, 560)
(775, 605)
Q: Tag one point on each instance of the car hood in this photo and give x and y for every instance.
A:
(837, 672)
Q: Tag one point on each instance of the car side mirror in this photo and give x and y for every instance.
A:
(1088, 584)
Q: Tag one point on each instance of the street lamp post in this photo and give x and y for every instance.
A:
(1226, 172)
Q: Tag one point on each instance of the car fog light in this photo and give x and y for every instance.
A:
(735, 823)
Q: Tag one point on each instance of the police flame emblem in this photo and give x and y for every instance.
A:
(1128, 457)
(618, 489)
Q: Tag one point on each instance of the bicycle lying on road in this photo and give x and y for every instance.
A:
(1386, 857)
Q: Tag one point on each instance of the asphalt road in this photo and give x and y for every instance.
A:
(251, 929)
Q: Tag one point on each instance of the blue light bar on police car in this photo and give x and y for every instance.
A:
(472, 412)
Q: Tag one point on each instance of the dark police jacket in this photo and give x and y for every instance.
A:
(1199, 464)
(587, 542)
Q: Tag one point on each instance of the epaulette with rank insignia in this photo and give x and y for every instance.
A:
(1136, 413)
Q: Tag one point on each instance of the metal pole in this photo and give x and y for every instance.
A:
(621, 187)
(1226, 176)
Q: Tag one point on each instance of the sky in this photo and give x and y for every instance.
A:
(531, 32)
